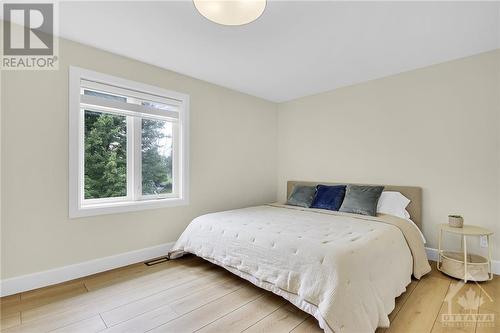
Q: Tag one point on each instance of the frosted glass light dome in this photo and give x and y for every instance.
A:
(231, 12)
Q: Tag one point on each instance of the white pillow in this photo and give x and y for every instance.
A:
(393, 203)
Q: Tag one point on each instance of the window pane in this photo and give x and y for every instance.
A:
(156, 105)
(104, 95)
(156, 157)
(105, 155)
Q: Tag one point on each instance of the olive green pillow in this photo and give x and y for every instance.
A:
(361, 199)
(302, 196)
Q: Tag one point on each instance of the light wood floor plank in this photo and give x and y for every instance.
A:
(103, 279)
(86, 306)
(244, 317)
(134, 272)
(210, 312)
(139, 273)
(145, 322)
(205, 296)
(105, 299)
(419, 312)
(10, 321)
(9, 300)
(309, 325)
(490, 291)
(165, 313)
(285, 319)
(54, 290)
(10, 313)
(399, 302)
(485, 326)
(435, 273)
(457, 293)
(36, 302)
(490, 308)
(91, 325)
(90, 297)
(136, 308)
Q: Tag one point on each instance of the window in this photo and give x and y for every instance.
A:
(128, 145)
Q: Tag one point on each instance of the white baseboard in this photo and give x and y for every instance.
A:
(432, 254)
(62, 274)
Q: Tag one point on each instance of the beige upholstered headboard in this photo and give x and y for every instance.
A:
(411, 192)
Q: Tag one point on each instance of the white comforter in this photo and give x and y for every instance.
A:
(344, 270)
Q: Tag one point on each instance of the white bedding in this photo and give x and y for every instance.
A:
(344, 270)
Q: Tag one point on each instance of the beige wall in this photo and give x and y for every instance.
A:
(436, 127)
(233, 164)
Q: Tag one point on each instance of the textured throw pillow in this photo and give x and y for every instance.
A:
(302, 196)
(361, 199)
(329, 197)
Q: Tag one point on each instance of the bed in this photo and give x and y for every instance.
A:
(344, 269)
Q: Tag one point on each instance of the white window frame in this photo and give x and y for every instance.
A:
(78, 205)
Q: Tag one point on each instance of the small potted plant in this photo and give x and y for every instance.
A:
(456, 221)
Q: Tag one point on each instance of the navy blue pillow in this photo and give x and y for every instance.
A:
(329, 197)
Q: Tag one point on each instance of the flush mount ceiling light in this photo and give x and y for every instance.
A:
(231, 12)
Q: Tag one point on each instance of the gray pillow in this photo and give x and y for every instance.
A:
(361, 199)
(302, 196)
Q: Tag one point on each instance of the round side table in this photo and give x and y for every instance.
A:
(463, 265)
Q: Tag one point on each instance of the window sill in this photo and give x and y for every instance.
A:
(125, 206)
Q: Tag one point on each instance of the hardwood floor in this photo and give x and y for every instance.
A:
(189, 294)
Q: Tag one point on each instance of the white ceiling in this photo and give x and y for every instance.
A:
(295, 48)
